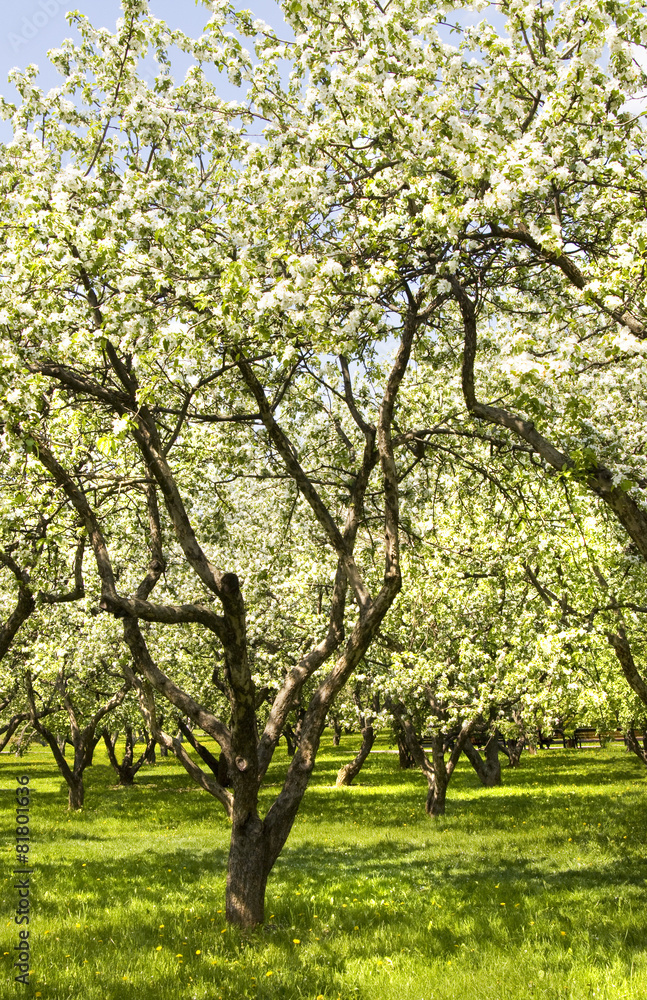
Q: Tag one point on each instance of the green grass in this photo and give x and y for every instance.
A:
(535, 889)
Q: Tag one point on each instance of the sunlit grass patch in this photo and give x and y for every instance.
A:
(534, 889)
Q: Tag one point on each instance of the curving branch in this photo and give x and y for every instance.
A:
(111, 600)
(620, 644)
(559, 259)
(146, 666)
(597, 478)
(79, 588)
(151, 677)
(25, 604)
(287, 452)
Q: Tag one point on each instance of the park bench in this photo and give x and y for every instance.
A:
(618, 736)
(585, 736)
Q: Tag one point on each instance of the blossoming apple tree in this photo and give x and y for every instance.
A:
(187, 311)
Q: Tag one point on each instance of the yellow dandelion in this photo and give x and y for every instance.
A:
(224, 930)
(563, 933)
(159, 948)
(198, 952)
(179, 956)
(296, 941)
(270, 973)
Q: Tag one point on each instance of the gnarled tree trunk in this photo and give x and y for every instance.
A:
(436, 770)
(634, 745)
(436, 794)
(405, 759)
(488, 770)
(513, 750)
(128, 768)
(290, 739)
(83, 740)
(75, 792)
(349, 772)
(247, 873)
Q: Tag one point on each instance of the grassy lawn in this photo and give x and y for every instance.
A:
(536, 889)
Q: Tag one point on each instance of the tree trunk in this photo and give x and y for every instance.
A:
(404, 757)
(436, 770)
(129, 767)
(336, 726)
(18, 747)
(247, 874)
(290, 739)
(514, 749)
(488, 770)
(10, 729)
(76, 792)
(631, 741)
(349, 771)
(436, 794)
(222, 773)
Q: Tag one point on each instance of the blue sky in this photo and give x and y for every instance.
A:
(31, 27)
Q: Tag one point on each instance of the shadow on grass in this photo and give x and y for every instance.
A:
(132, 889)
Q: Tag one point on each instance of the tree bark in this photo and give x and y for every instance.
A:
(632, 743)
(247, 873)
(129, 767)
(488, 770)
(255, 843)
(618, 640)
(76, 792)
(290, 739)
(436, 770)
(349, 772)
(404, 757)
(436, 794)
(514, 749)
(9, 730)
